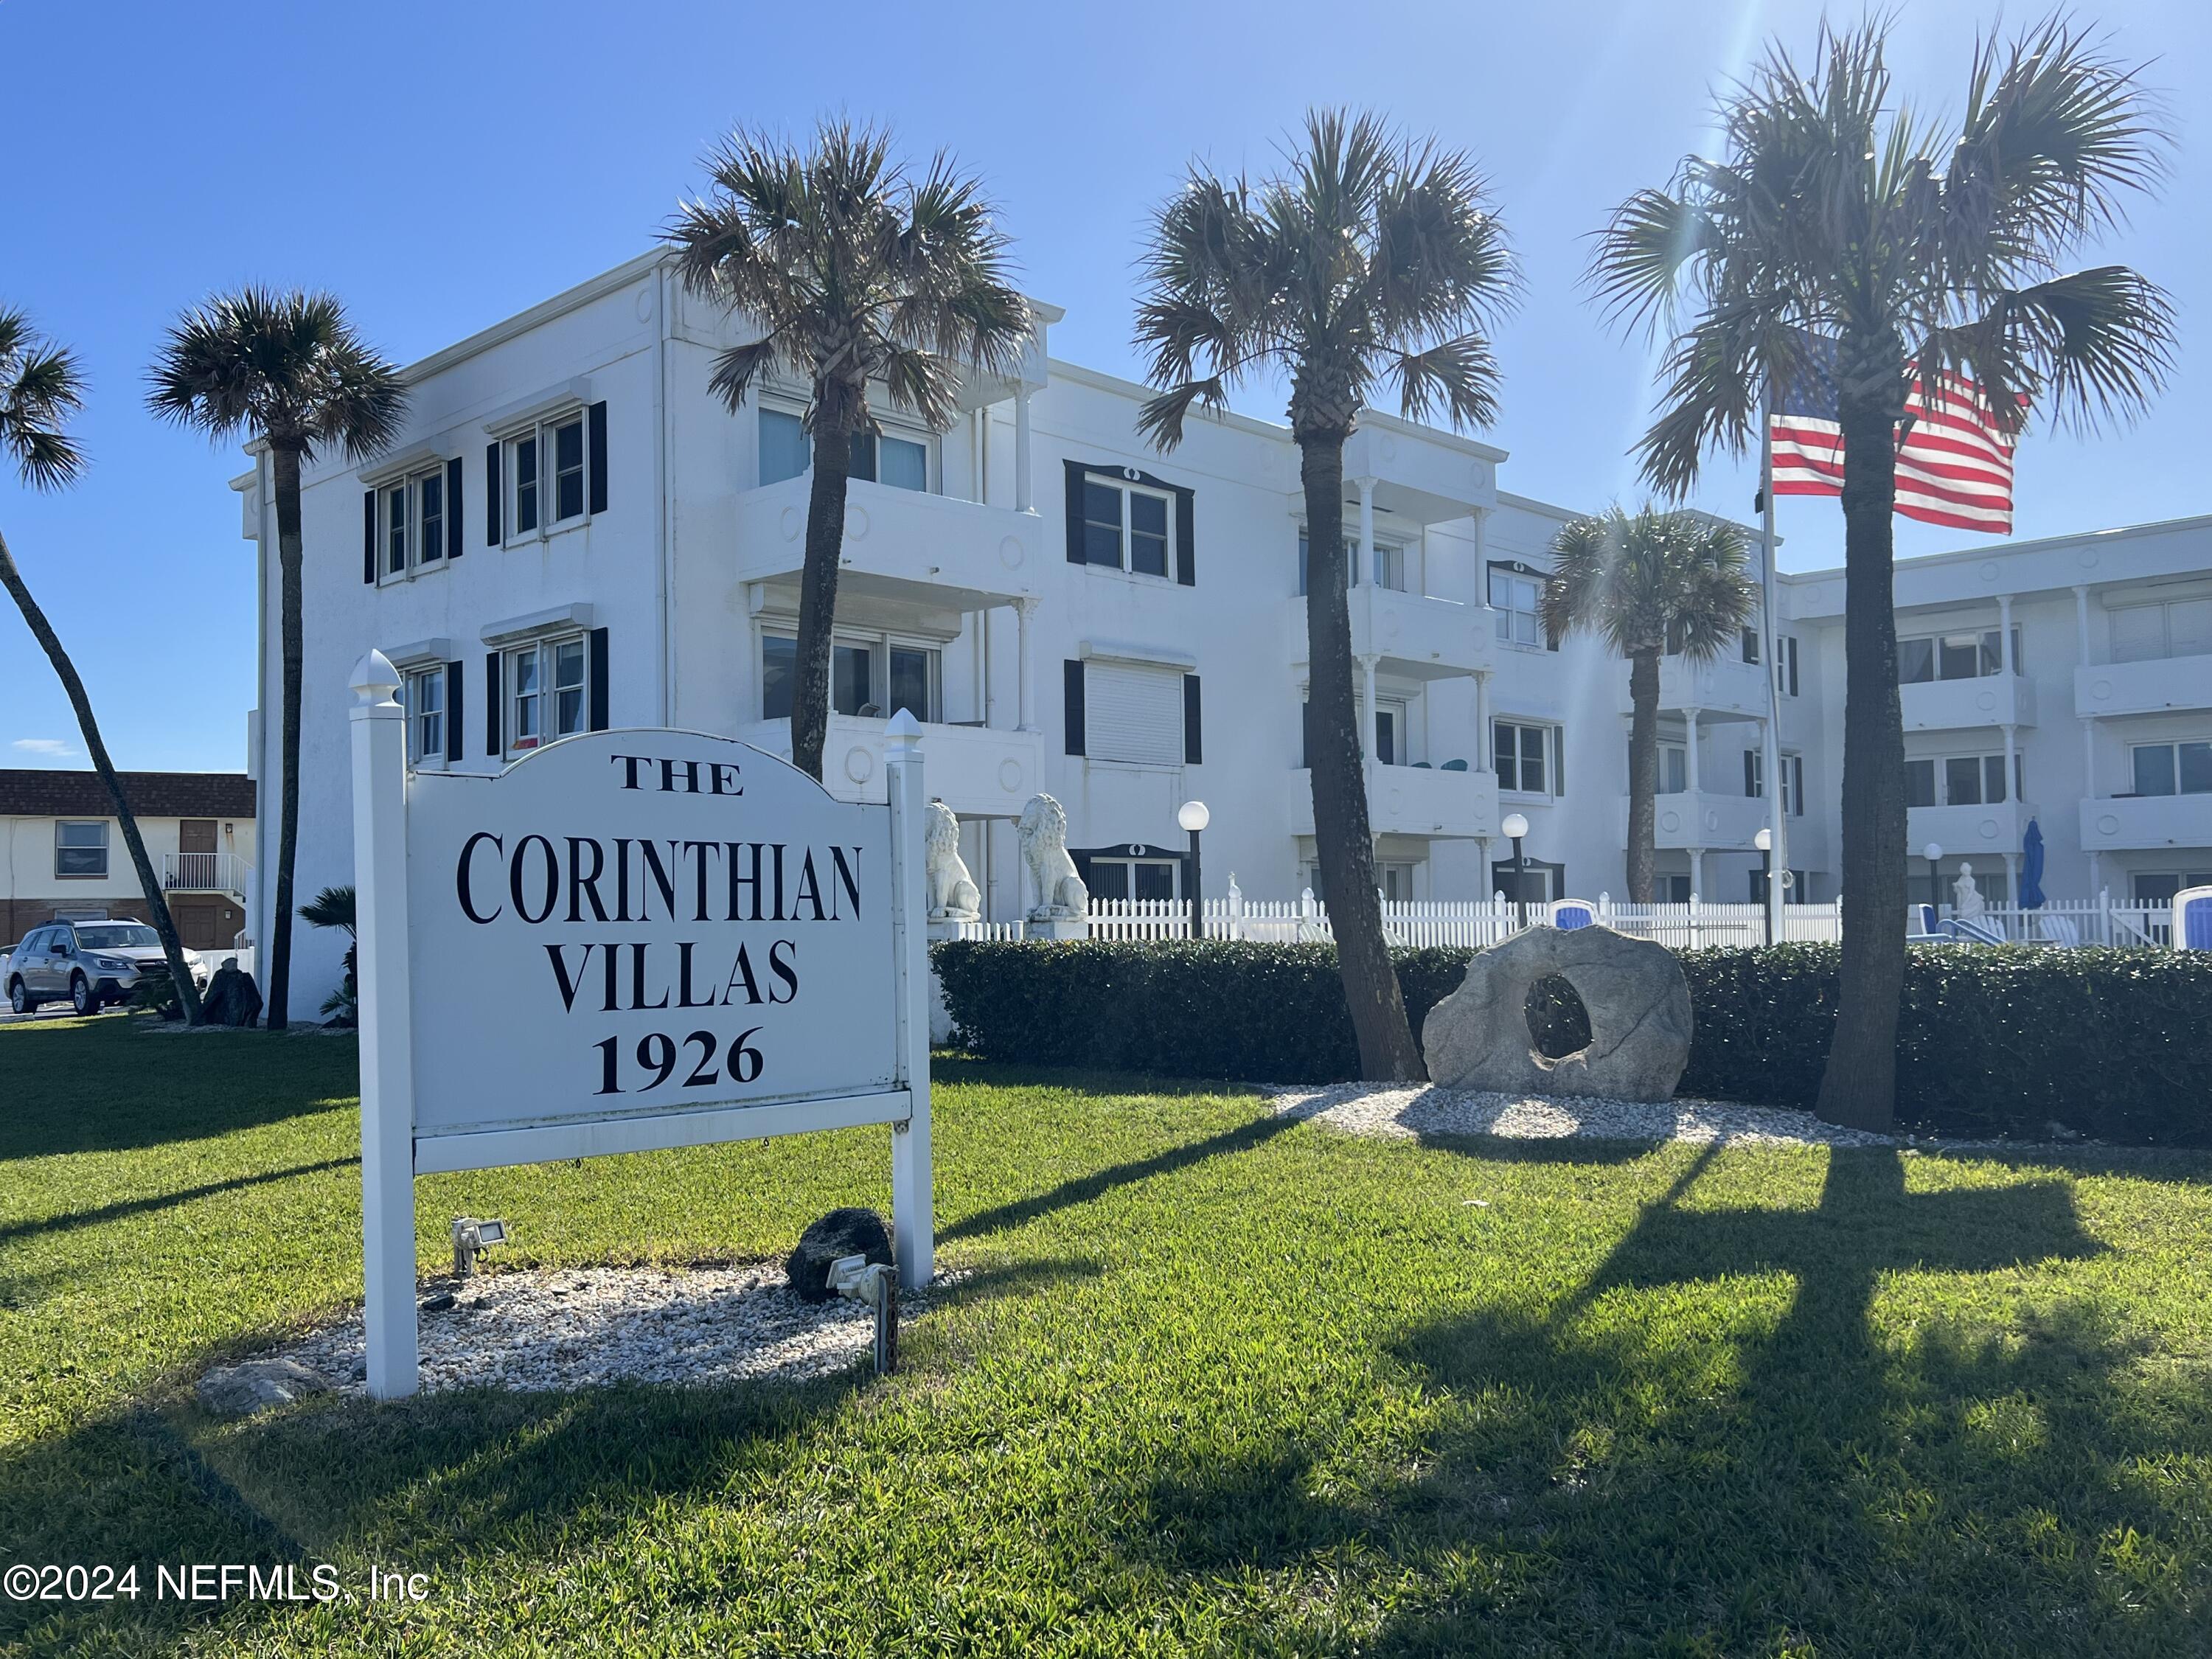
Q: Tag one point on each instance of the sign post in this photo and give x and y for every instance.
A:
(625, 941)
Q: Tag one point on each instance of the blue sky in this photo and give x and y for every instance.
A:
(452, 164)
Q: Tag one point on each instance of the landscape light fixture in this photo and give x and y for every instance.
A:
(472, 1239)
(1516, 826)
(1193, 816)
(1934, 853)
(872, 1284)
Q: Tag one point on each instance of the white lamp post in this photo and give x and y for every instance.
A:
(1765, 841)
(1934, 851)
(1194, 817)
(1516, 826)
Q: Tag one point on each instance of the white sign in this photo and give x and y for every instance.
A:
(625, 941)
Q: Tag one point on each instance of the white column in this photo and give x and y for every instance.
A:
(1024, 498)
(2012, 879)
(1365, 577)
(914, 1234)
(1697, 873)
(2009, 668)
(1482, 761)
(2082, 622)
(1025, 674)
(1690, 726)
(386, 1039)
(2004, 635)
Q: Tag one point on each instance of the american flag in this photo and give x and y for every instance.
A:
(1953, 467)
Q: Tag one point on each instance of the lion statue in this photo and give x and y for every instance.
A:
(1062, 896)
(953, 895)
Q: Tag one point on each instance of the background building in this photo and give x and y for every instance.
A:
(63, 858)
(574, 533)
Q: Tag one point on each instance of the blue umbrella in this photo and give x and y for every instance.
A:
(2031, 868)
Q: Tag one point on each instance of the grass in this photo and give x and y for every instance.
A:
(1216, 1383)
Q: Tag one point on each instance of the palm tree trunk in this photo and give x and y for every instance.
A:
(1341, 836)
(157, 905)
(284, 465)
(817, 599)
(1642, 776)
(1859, 1087)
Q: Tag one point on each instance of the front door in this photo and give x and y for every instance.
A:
(196, 858)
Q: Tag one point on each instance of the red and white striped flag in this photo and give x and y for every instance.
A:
(1953, 466)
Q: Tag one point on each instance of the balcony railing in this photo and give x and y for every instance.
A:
(1968, 831)
(1706, 821)
(1960, 705)
(1413, 800)
(205, 873)
(2146, 822)
(2143, 688)
(1724, 689)
(933, 548)
(1419, 636)
(979, 771)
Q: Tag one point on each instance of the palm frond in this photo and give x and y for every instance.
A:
(1161, 420)
(40, 388)
(284, 366)
(1459, 377)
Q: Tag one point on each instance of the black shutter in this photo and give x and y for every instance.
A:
(1193, 747)
(494, 494)
(1306, 734)
(1750, 771)
(456, 676)
(1186, 538)
(1071, 701)
(456, 543)
(1559, 761)
(492, 694)
(598, 422)
(1074, 474)
(597, 670)
(368, 535)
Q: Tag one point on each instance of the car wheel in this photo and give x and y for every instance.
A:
(20, 1003)
(81, 996)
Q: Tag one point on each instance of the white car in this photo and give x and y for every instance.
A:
(87, 963)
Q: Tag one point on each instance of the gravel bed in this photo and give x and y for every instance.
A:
(1409, 1111)
(578, 1327)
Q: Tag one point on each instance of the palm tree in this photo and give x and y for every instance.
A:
(1371, 258)
(334, 907)
(287, 369)
(39, 389)
(1651, 584)
(856, 273)
(1837, 223)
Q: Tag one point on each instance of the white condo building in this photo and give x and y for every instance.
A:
(575, 533)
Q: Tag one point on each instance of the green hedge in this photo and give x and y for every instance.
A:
(2112, 1044)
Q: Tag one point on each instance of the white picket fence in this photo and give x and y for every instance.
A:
(1478, 924)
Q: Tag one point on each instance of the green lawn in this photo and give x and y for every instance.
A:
(1215, 1384)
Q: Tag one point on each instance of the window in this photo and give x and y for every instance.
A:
(2150, 633)
(2172, 768)
(1964, 780)
(1673, 889)
(1132, 711)
(1397, 881)
(1521, 753)
(2150, 888)
(1128, 526)
(785, 451)
(118, 936)
(1390, 564)
(81, 848)
(1953, 657)
(545, 693)
(411, 518)
(1785, 647)
(1673, 767)
(552, 472)
(426, 716)
(1751, 645)
(1795, 889)
(1514, 597)
(395, 530)
(872, 677)
(1134, 879)
(1390, 733)
(1793, 780)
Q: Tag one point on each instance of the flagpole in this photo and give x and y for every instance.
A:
(1776, 818)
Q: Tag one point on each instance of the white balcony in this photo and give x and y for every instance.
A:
(978, 771)
(2146, 822)
(1968, 832)
(2142, 688)
(1725, 689)
(1413, 800)
(206, 872)
(1414, 635)
(1960, 705)
(934, 550)
(1705, 821)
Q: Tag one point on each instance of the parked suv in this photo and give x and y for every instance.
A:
(87, 964)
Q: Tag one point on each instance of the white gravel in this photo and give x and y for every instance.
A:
(1407, 1111)
(577, 1327)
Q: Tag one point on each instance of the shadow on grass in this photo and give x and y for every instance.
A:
(104, 1085)
(124, 1209)
(1755, 1470)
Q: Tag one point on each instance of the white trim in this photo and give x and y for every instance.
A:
(510, 420)
(417, 458)
(492, 1149)
(518, 631)
(418, 653)
(1153, 656)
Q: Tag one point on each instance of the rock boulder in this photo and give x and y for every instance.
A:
(1478, 1037)
(839, 1234)
(241, 1390)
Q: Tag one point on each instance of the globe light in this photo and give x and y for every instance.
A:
(1515, 826)
(1932, 852)
(1763, 841)
(1193, 816)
